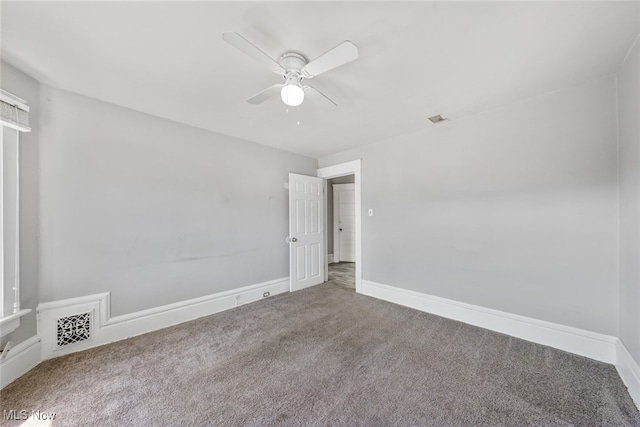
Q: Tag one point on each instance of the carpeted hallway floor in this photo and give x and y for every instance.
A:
(324, 356)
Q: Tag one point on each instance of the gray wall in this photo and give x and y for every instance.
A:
(629, 134)
(154, 211)
(23, 86)
(514, 209)
(349, 179)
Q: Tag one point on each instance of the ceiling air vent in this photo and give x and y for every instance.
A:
(437, 119)
(74, 329)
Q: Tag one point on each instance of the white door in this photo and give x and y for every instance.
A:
(306, 239)
(347, 225)
(345, 222)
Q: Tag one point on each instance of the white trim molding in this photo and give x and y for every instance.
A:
(106, 329)
(629, 370)
(341, 169)
(574, 340)
(10, 323)
(20, 360)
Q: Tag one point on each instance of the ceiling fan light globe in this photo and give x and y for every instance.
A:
(292, 95)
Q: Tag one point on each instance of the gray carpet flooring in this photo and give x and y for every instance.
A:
(324, 356)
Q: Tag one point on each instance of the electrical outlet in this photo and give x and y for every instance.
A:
(266, 294)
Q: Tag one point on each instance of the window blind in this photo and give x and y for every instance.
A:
(14, 112)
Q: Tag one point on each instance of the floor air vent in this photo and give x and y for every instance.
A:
(74, 329)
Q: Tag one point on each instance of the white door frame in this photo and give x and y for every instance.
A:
(335, 171)
(336, 217)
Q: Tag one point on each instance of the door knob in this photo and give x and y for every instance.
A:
(290, 240)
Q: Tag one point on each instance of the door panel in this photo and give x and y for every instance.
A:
(314, 266)
(306, 225)
(301, 260)
(347, 225)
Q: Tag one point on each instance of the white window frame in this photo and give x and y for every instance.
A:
(9, 322)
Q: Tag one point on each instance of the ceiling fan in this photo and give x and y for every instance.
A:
(294, 68)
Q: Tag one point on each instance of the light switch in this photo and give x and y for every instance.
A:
(370, 212)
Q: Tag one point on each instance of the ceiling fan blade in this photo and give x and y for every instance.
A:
(339, 55)
(239, 42)
(322, 99)
(262, 96)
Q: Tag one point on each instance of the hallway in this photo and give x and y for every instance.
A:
(343, 274)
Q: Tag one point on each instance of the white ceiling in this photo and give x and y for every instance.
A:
(416, 60)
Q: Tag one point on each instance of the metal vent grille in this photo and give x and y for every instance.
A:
(437, 119)
(73, 329)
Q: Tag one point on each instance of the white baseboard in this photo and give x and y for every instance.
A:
(330, 259)
(578, 341)
(106, 329)
(29, 353)
(20, 359)
(629, 371)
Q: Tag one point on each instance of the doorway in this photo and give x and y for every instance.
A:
(341, 231)
(345, 245)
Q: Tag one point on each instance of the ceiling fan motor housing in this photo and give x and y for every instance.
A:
(292, 61)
